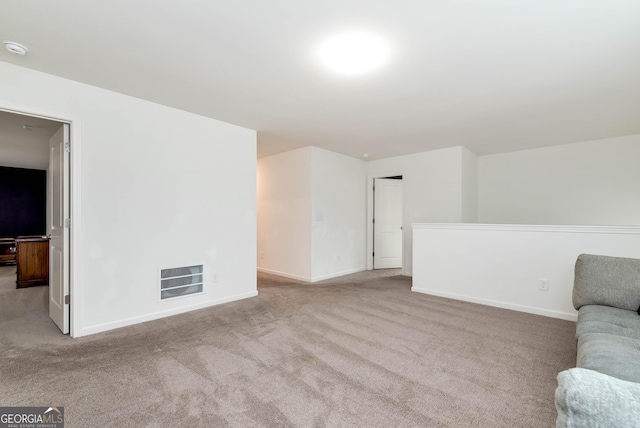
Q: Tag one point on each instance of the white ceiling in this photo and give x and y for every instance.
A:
(25, 148)
(493, 75)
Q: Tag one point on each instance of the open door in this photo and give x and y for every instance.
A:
(59, 244)
(387, 227)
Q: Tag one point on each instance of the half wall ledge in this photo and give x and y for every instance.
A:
(506, 265)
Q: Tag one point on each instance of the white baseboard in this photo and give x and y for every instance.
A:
(498, 304)
(99, 328)
(335, 275)
(284, 274)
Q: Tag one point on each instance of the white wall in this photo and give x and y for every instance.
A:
(594, 182)
(311, 214)
(160, 187)
(16, 155)
(25, 148)
(503, 265)
(338, 214)
(435, 190)
(469, 186)
(284, 214)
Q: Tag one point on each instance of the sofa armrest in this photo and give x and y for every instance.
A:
(608, 281)
(586, 398)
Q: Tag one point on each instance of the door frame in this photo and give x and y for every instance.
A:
(370, 198)
(75, 264)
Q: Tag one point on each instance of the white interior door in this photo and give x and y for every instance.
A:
(59, 245)
(387, 227)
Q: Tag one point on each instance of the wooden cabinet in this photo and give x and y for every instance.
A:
(32, 261)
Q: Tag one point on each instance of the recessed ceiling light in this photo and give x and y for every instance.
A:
(15, 48)
(354, 53)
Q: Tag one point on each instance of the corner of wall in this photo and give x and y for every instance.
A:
(338, 220)
(284, 213)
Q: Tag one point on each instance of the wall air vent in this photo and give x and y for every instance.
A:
(181, 281)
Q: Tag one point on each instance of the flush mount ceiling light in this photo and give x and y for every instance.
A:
(354, 53)
(15, 48)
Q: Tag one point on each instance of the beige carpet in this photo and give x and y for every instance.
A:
(7, 277)
(361, 351)
(20, 302)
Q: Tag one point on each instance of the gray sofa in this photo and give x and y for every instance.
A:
(604, 389)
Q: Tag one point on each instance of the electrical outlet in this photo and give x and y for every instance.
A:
(543, 285)
(338, 259)
(214, 277)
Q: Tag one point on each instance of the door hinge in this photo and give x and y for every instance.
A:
(67, 299)
(373, 221)
(373, 254)
(67, 223)
(67, 147)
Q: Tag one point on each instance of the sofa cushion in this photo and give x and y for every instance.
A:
(585, 398)
(606, 319)
(609, 281)
(615, 356)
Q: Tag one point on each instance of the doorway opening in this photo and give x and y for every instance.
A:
(386, 225)
(36, 270)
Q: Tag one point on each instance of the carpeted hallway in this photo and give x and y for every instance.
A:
(362, 350)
